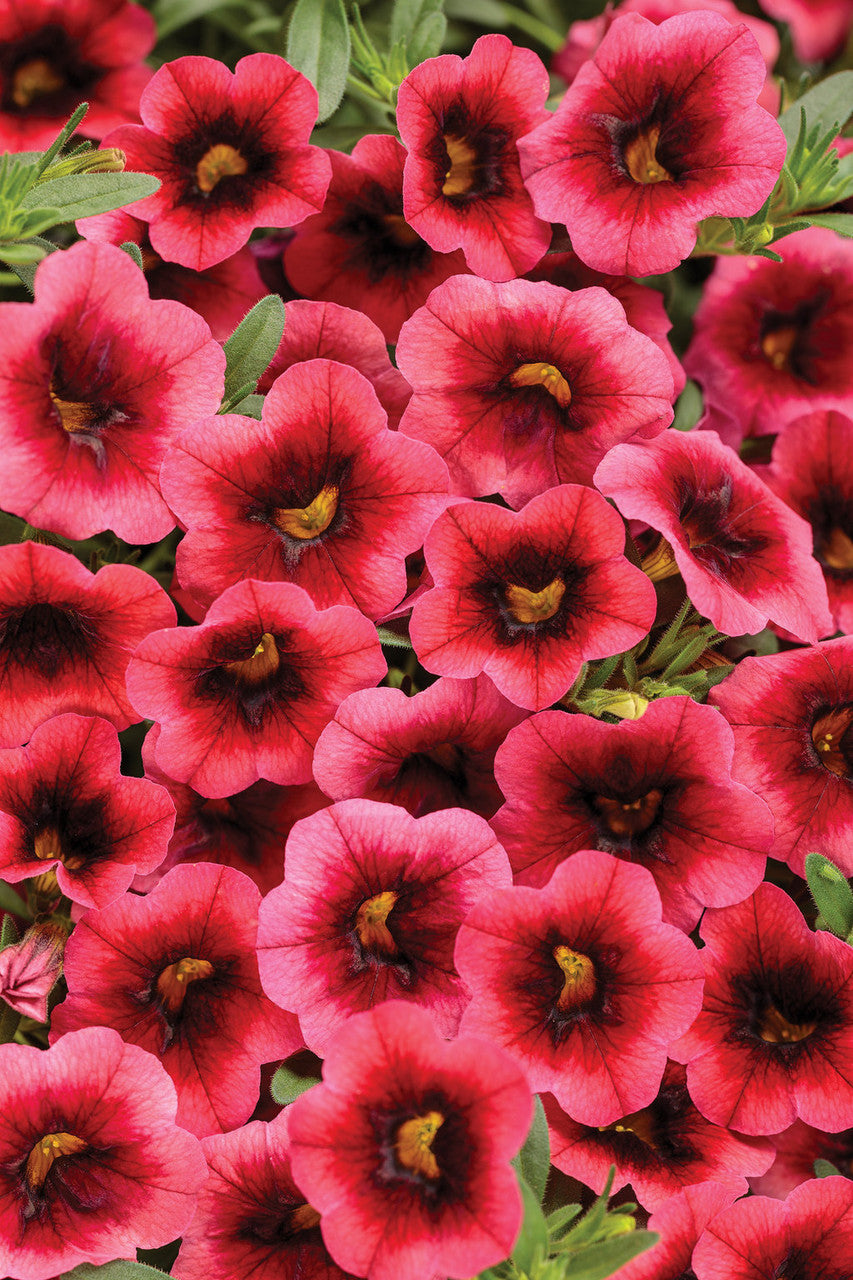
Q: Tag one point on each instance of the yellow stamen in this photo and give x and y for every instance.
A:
(48, 1149)
(534, 606)
(548, 376)
(629, 818)
(221, 161)
(775, 1028)
(829, 735)
(47, 847)
(579, 980)
(462, 174)
(373, 933)
(311, 521)
(399, 230)
(836, 550)
(303, 1218)
(35, 79)
(263, 663)
(640, 1123)
(413, 1144)
(641, 159)
(75, 415)
(173, 982)
(778, 346)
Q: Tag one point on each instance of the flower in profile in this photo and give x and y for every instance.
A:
(175, 972)
(404, 1148)
(527, 596)
(818, 27)
(29, 969)
(231, 151)
(96, 380)
(55, 54)
(67, 635)
(92, 1163)
(658, 130)
(797, 1149)
(582, 984)
(460, 120)
(680, 1222)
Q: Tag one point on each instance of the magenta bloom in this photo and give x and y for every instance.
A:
(55, 54)
(245, 694)
(65, 806)
(797, 1148)
(369, 909)
(818, 27)
(659, 130)
(528, 596)
(774, 1038)
(523, 386)
(96, 380)
(175, 972)
(29, 969)
(92, 1164)
(66, 636)
(582, 984)
(231, 152)
(657, 791)
(404, 1148)
(680, 1222)
(435, 750)
(745, 557)
(319, 493)
(460, 120)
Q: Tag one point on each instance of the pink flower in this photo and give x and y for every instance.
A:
(680, 1223)
(30, 968)
(818, 27)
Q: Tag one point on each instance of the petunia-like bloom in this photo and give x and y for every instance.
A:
(55, 54)
(773, 340)
(231, 151)
(525, 385)
(252, 1219)
(95, 381)
(774, 1038)
(360, 251)
(29, 969)
(404, 1148)
(92, 1163)
(809, 1235)
(797, 1148)
(369, 909)
(66, 636)
(660, 129)
(818, 27)
(460, 120)
(582, 984)
(680, 1222)
(657, 791)
(435, 750)
(319, 493)
(245, 694)
(745, 557)
(791, 715)
(65, 806)
(658, 1150)
(527, 596)
(175, 972)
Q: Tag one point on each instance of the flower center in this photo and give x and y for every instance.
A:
(303, 1218)
(836, 549)
(543, 375)
(641, 161)
(462, 174)
(578, 978)
(35, 79)
(399, 230)
(629, 817)
(263, 663)
(829, 735)
(413, 1144)
(534, 606)
(48, 847)
(220, 161)
(372, 931)
(641, 1124)
(175, 979)
(774, 1028)
(777, 346)
(75, 415)
(48, 1149)
(309, 522)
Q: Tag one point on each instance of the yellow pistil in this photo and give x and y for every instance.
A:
(309, 522)
(35, 79)
(303, 1218)
(641, 159)
(48, 1149)
(47, 847)
(579, 978)
(462, 174)
(836, 550)
(548, 376)
(263, 663)
(640, 1123)
(413, 1144)
(629, 818)
(775, 1028)
(828, 735)
(399, 230)
(173, 982)
(534, 606)
(777, 346)
(75, 415)
(221, 161)
(370, 923)
(659, 562)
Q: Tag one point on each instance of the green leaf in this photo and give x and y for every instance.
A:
(286, 1085)
(533, 1161)
(252, 345)
(250, 407)
(824, 1169)
(831, 892)
(427, 39)
(688, 407)
(422, 25)
(13, 902)
(840, 222)
(828, 103)
(597, 1261)
(38, 220)
(171, 15)
(407, 14)
(21, 253)
(120, 1270)
(8, 932)
(47, 158)
(133, 251)
(532, 1246)
(561, 1219)
(80, 195)
(318, 45)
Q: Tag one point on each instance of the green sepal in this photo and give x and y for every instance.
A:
(133, 251)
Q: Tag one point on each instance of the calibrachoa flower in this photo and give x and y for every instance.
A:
(320, 493)
(818, 27)
(680, 1222)
(435, 750)
(231, 152)
(525, 385)
(245, 694)
(55, 54)
(360, 251)
(657, 791)
(92, 1164)
(773, 340)
(369, 909)
(774, 1038)
(66, 636)
(65, 806)
(29, 969)
(791, 715)
(175, 972)
(460, 120)
(582, 984)
(745, 557)
(797, 1148)
(252, 1219)
(658, 130)
(528, 596)
(95, 380)
(404, 1148)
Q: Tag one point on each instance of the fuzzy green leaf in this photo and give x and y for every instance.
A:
(533, 1161)
(286, 1085)
(80, 195)
(133, 251)
(119, 1270)
(171, 15)
(597, 1261)
(532, 1246)
(828, 103)
(831, 892)
(840, 222)
(318, 45)
(251, 347)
